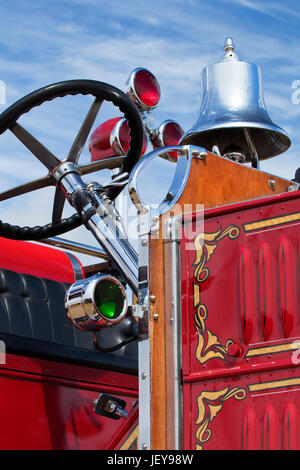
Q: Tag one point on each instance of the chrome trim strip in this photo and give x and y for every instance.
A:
(172, 249)
(78, 275)
(144, 339)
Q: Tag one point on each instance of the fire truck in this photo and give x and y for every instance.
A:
(191, 339)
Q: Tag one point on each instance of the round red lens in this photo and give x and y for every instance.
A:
(147, 88)
(172, 133)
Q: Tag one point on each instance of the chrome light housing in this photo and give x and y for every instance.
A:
(143, 88)
(169, 133)
(95, 303)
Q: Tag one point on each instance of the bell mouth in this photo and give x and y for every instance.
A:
(269, 141)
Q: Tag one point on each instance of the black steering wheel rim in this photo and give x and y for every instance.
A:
(102, 91)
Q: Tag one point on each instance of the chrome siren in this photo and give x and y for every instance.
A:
(233, 116)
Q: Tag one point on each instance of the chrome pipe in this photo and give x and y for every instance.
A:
(100, 220)
(117, 248)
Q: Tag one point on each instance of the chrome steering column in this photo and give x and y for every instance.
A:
(88, 200)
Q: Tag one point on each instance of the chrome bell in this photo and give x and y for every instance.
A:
(233, 117)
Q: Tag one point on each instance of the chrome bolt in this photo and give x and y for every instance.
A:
(272, 183)
(198, 154)
(155, 316)
(144, 375)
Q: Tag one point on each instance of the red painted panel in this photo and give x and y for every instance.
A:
(241, 327)
(250, 437)
(240, 292)
(250, 412)
(93, 378)
(271, 429)
(288, 293)
(248, 296)
(38, 260)
(39, 410)
(291, 427)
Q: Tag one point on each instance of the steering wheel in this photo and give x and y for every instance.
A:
(102, 92)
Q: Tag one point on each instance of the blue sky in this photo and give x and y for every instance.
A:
(45, 42)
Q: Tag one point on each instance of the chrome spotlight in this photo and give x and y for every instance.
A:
(95, 303)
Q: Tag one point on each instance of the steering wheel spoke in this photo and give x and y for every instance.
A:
(35, 147)
(74, 154)
(58, 206)
(26, 188)
(84, 131)
(107, 163)
(101, 92)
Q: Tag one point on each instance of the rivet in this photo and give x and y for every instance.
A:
(144, 375)
(272, 183)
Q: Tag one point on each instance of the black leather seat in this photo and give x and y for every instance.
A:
(33, 322)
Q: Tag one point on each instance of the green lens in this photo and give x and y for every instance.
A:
(109, 299)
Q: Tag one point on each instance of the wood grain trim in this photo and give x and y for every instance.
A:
(216, 181)
(158, 348)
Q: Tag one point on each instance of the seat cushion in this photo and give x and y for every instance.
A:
(32, 308)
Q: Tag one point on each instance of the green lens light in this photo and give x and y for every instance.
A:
(109, 299)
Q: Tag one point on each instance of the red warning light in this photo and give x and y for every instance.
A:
(143, 88)
(169, 133)
(111, 139)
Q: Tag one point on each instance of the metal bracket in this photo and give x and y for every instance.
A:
(110, 407)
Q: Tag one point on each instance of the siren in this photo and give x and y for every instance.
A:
(168, 133)
(96, 302)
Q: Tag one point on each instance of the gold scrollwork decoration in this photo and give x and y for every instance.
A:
(208, 346)
(209, 405)
(205, 245)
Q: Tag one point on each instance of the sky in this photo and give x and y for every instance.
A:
(47, 42)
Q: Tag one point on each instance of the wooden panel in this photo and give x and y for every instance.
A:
(216, 181)
(158, 348)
